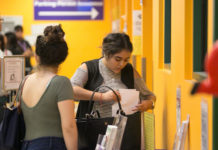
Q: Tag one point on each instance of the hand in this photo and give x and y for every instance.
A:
(28, 53)
(145, 105)
(110, 96)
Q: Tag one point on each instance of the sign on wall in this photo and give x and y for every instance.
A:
(178, 107)
(137, 31)
(137, 23)
(9, 22)
(68, 9)
(204, 124)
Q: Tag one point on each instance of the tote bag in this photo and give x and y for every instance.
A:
(12, 127)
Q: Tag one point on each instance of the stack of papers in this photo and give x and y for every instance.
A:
(129, 100)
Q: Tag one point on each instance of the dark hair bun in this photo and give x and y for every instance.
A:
(52, 48)
(116, 42)
(54, 33)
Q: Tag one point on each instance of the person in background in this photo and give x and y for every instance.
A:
(115, 71)
(3, 50)
(24, 47)
(3, 94)
(47, 99)
(11, 43)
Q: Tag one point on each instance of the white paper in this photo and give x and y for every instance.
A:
(129, 99)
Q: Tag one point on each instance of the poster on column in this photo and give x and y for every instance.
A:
(204, 124)
(178, 107)
(68, 9)
(115, 16)
(12, 72)
(116, 26)
(137, 32)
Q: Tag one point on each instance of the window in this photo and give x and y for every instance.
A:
(200, 34)
(167, 32)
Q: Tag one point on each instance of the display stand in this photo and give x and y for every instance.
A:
(12, 73)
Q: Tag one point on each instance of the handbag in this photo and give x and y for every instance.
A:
(12, 127)
(89, 128)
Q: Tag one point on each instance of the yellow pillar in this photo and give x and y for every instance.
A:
(122, 4)
(128, 10)
(115, 15)
(147, 42)
(136, 39)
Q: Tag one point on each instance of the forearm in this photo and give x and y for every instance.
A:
(149, 97)
(83, 94)
(75, 139)
(149, 102)
(71, 137)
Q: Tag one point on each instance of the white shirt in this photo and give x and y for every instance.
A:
(5, 53)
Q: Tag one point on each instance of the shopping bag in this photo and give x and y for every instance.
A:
(119, 121)
(101, 142)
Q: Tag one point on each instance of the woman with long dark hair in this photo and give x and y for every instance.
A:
(11, 43)
(3, 50)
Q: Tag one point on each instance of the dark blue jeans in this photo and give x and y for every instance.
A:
(45, 143)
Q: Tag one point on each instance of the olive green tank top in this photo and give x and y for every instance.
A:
(43, 119)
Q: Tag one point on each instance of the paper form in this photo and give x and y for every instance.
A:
(129, 99)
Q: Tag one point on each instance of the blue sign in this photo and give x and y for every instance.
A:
(68, 9)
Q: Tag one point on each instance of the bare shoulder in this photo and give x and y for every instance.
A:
(30, 77)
